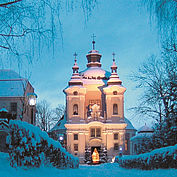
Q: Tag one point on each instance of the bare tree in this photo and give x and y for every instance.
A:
(27, 25)
(158, 77)
(43, 115)
(58, 113)
(46, 117)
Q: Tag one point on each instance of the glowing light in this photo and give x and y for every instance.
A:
(32, 99)
(95, 156)
(32, 102)
(61, 138)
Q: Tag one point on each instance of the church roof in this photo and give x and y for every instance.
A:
(60, 125)
(7, 74)
(141, 136)
(11, 84)
(145, 129)
(129, 125)
(95, 73)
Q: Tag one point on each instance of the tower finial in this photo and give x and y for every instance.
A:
(113, 54)
(93, 42)
(75, 54)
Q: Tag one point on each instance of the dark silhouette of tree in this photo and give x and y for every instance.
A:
(158, 78)
(46, 117)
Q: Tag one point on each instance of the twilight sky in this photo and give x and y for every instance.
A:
(121, 26)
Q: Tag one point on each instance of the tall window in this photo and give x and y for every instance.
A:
(92, 132)
(127, 139)
(116, 146)
(75, 136)
(13, 107)
(115, 109)
(135, 148)
(115, 136)
(95, 132)
(126, 145)
(75, 109)
(75, 147)
(98, 132)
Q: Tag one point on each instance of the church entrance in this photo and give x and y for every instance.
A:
(95, 151)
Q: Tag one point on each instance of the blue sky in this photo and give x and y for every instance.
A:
(121, 26)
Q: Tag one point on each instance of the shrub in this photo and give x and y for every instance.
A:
(29, 147)
(159, 158)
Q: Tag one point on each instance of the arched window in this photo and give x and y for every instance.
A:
(114, 92)
(75, 93)
(115, 109)
(75, 109)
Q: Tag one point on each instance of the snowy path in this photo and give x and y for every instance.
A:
(104, 170)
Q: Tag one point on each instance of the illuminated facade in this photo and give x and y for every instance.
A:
(95, 110)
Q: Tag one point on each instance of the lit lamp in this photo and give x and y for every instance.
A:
(120, 151)
(32, 99)
(32, 102)
(61, 138)
(120, 148)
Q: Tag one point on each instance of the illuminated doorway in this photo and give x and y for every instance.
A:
(95, 154)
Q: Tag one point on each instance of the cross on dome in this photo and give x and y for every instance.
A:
(114, 66)
(75, 67)
(113, 54)
(93, 42)
(75, 54)
(114, 78)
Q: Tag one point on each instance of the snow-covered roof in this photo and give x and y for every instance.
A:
(11, 84)
(145, 129)
(60, 125)
(141, 136)
(129, 125)
(7, 74)
(95, 72)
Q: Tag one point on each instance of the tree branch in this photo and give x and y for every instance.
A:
(1, 46)
(9, 3)
(14, 35)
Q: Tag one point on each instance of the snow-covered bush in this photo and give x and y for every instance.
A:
(29, 146)
(159, 158)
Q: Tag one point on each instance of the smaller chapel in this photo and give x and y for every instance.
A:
(96, 129)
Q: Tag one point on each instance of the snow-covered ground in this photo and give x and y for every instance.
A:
(104, 170)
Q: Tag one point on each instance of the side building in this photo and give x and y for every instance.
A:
(17, 101)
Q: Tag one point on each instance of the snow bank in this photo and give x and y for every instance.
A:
(29, 146)
(159, 158)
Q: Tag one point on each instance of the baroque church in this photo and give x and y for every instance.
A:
(94, 120)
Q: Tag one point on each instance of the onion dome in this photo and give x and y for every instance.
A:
(75, 79)
(93, 57)
(114, 78)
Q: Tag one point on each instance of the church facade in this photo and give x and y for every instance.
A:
(95, 120)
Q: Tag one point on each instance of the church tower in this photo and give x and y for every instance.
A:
(95, 111)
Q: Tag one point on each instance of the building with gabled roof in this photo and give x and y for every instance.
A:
(14, 91)
(14, 102)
